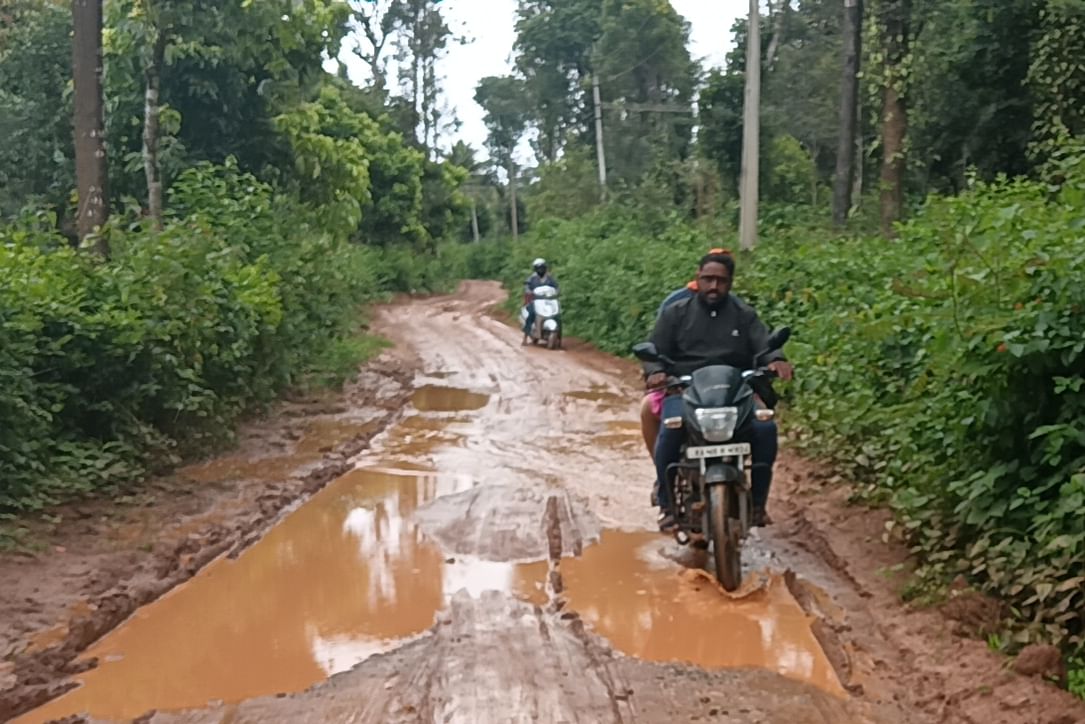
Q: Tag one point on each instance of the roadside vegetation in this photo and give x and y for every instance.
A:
(938, 313)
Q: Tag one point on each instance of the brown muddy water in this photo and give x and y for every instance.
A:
(650, 608)
(350, 574)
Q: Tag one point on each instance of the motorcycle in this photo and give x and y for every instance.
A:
(711, 480)
(547, 326)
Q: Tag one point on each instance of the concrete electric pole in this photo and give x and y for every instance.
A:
(600, 152)
(751, 131)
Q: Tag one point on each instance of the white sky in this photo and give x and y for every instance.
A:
(489, 27)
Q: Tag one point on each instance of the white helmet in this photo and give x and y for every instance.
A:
(538, 263)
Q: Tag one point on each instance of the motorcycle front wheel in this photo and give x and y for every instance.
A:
(725, 539)
(552, 341)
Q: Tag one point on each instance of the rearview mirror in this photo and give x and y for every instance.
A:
(646, 352)
(778, 339)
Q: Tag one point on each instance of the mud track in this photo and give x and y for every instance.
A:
(482, 553)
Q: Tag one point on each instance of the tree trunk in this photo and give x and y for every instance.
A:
(474, 220)
(90, 153)
(894, 129)
(859, 177)
(514, 212)
(777, 33)
(894, 113)
(849, 111)
(151, 109)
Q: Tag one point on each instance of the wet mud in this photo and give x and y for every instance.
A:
(347, 575)
(488, 557)
(650, 608)
(106, 559)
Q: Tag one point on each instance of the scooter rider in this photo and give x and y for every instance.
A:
(713, 328)
(541, 278)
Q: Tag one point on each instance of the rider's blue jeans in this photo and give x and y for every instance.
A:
(760, 435)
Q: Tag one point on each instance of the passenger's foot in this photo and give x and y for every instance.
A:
(667, 523)
(526, 341)
(761, 518)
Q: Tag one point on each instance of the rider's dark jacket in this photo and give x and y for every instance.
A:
(535, 281)
(694, 335)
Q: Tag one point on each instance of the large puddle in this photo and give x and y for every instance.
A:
(350, 574)
(435, 398)
(648, 607)
(345, 576)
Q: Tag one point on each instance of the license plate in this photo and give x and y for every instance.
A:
(718, 451)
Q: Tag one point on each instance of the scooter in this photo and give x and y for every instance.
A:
(547, 326)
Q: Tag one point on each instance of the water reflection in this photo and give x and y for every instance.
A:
(345, 576)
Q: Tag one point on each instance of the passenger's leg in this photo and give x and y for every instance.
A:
(649, 424)
(530, 321)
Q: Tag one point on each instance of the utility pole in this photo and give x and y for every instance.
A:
(751, 131)
(474, 219)
(600, 152)
(512, 200)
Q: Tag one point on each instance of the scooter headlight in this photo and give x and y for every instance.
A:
(717, 423)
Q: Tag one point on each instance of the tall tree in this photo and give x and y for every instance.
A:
(421, 42)
(378, 20)
(501, 99)
(894, 20)
(159, 21)
(1057, 78)
(554, 40)
(90, 149)
(849, 111)
(720, 125)
(35, 117)
(779, 30)
(647, 76)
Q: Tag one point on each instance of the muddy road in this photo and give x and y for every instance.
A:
(472, 543)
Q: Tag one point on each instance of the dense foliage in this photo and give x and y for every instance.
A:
(291, 198)
(112, 368)
(945, 371)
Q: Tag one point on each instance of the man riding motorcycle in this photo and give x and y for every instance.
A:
(712, 327)
(652, 402)
(540, 278)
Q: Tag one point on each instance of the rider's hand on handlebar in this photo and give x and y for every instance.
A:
(784, 370)
(656, 380)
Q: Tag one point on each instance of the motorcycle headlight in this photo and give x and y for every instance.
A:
(717, 423)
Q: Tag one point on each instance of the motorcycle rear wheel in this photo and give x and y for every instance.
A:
(727, 552)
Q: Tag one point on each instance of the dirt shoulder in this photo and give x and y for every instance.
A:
(102, 559)
(928, 658)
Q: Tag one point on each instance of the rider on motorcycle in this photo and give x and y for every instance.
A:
(712, 327)
(652, 403)
(540, 278)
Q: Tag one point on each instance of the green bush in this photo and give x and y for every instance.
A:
(110, 369)
(944, 370)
